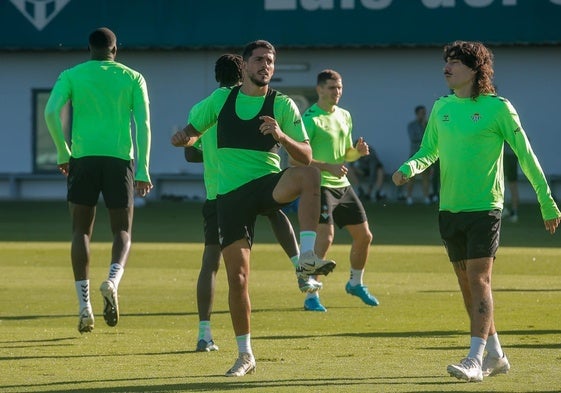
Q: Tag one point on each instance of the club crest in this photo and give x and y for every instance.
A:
(40, 12)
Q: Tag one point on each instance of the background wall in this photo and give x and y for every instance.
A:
(381, 88)
(389, 65)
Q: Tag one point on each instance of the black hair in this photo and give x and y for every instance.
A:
(228, 69)
(326, 75)
(249, 48)
(479, 58)
(102, 38)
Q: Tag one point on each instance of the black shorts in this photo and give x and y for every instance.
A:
(510, 162)
(238, 209)
(210, 222)
(110, 176)
(470, 235)
(341, 206)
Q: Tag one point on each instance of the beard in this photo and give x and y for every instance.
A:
(259, 82)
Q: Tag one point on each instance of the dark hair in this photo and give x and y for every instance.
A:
(326, 75)
(479, 58)
(102, 38)
(249, 48)
(228, 69)
(419, 108)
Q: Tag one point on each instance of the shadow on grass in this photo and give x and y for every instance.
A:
(497, 290)
(221, 383)
(157, 314)
(416, 334)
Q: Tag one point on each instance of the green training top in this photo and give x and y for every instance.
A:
(468, 136)
(104, 94)
(207, 144)
(330, 137)
(238, 166)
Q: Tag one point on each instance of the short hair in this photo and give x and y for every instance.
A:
(479, 58)
(249, 48)
(102, 38)
(419, 108)
(326, 75)
(228, 69)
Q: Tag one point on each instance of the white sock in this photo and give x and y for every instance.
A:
(311, 295)
(493, 346)
(294, 260)
(116, 271)
(356, 277)
(204, 331)
(476, 348)
(244, 343)
(83, 292)
(307, 241)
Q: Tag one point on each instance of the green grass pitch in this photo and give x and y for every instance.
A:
(401, 346)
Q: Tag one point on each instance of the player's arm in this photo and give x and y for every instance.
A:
(186, 137)
(141, 114)
(359, 150)
(299, 151)
(57, 100)
(202, 116)
(516, 137)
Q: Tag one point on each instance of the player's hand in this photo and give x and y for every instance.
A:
(270, 127)
(179, 139)
(551, 225)
(362, 147)
(338, 170)
(399, 178)
(63, 168)
(142, 188)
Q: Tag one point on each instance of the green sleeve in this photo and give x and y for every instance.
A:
(141, 114)
(58, 98)
(516, 137)
(425, 156)
(289, 118)
(205, 113)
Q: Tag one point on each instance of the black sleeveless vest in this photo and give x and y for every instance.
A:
(233, 132)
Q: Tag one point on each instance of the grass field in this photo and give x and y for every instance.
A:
(401, 346)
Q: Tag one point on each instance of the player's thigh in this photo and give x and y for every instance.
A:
(293, 181)
(84, 181)
(118, 183)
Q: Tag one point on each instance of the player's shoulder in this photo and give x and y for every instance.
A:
(444, 99)
(497, 98)
(124, 69)
(221, 92)
(312, 111)
(498, 102)
(281, 97)
(342, 111)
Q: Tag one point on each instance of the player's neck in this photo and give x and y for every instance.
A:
(251, 89)
(326, 106)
